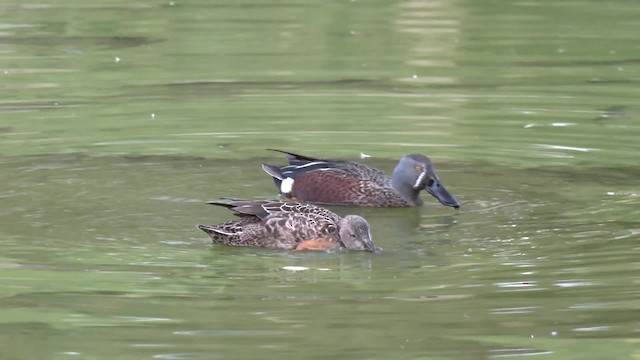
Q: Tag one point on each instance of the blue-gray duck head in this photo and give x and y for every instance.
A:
(414, 173)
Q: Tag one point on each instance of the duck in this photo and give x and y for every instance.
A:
(342, 182)
(289, 225)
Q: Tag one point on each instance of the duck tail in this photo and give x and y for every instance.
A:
(296, 159)
(223, 202)
(213, 231)
(274, 171)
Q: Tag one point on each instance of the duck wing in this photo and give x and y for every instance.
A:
(299, 164)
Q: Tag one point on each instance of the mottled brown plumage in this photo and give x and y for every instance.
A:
(289, 225)
(340, 182)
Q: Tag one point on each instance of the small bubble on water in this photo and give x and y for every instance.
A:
(153, 115)
(610, 193)
(415, 76)
(171, 3)
(117, 59)
(554, 333)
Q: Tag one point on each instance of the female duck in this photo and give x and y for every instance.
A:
(289, 225)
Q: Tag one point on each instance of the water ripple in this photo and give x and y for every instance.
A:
(514, 310)
(518, 352)
(572, 283)
(229, 333)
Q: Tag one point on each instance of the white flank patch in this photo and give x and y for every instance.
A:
(286, 185)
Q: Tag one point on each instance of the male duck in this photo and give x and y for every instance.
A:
(289, 225)
(340, 182)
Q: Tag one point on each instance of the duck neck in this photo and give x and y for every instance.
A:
(405, 189)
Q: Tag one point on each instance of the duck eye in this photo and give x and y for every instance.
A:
(353, 235)
(418, 168)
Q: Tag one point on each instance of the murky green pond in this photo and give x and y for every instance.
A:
(118, 120)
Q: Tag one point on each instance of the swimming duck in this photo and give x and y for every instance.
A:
(289, 225)
(341, 182)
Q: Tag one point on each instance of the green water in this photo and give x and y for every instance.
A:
(118, 120)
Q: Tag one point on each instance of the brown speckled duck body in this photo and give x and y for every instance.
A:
(289, 225)
(341, 182)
